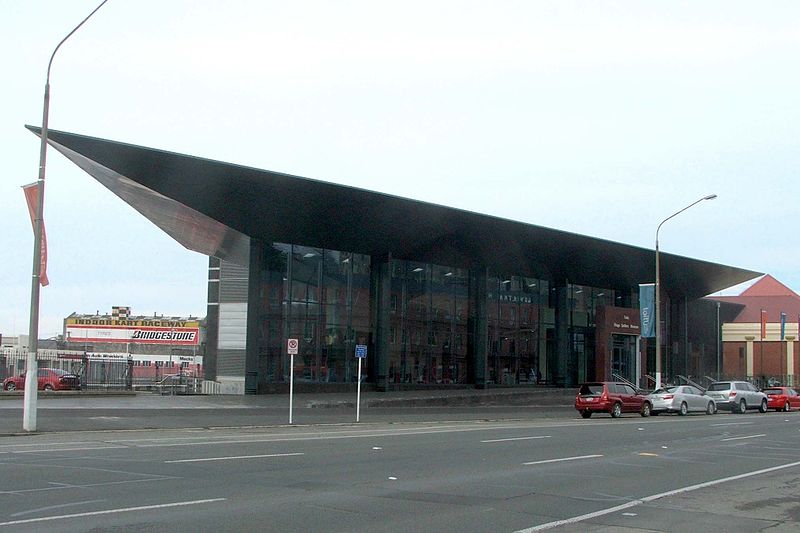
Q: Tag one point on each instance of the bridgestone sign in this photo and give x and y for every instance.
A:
(163, 335)
(186, 334)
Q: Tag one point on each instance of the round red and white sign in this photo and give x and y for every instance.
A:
(291, 346)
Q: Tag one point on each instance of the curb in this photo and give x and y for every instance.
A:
(13, 395)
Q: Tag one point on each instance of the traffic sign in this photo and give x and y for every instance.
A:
(361, 351)
(291, 347)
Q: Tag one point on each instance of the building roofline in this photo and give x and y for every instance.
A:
(215, 208)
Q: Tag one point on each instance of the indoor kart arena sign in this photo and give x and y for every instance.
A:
(184, 333)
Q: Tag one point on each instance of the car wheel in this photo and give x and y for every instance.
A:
(684, 409)
(742, 407)
(586, 414)
(11, 386)
(616, 410)
(645, 409)
(710, 408)
(48, 387)
(786, 407)
(763, 407)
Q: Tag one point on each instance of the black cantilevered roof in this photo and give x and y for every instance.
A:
(214, 207)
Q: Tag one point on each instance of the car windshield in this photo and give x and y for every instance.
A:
(591, 388)
(58, 371)
(773, 391)
(719, 386)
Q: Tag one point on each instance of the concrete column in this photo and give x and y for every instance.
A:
(251, 375)
(566, 361)
(790, 360)
(748, 357)
(381, 296)
(479, 327)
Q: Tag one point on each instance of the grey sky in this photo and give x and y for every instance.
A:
(600, 118)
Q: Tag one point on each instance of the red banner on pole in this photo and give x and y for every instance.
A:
(763, 324)
(32, 198)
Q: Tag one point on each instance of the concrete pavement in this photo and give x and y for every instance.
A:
(85, 412)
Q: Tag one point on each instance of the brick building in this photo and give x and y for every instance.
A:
(760, 333)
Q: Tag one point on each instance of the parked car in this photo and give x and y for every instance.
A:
(782, 398)
(48, 378)
(681, 399)
(737, 396)
(612, 398)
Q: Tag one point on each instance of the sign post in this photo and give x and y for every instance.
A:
(361, 353)
(291, 349)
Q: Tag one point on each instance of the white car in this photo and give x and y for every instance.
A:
(681, 399)
(737, 396)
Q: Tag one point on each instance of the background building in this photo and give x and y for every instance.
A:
(760, 333)
(106, 349)
(157, 345)
(440, 296)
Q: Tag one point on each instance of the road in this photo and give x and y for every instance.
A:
(668, 473)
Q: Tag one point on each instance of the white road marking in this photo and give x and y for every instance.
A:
(386, 433)
(346, 434)
(517, 438)
(110, 511)
(44, 444)
(733, 424)
(234, 457)
(40, 509)
(48, 450)
(62, 486)
(747, 437)
(690, 488)
(562, 459)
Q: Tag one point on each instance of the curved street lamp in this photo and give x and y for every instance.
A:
(658, 289)
(31, 381)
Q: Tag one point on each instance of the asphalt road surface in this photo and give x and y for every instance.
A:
(698, 473)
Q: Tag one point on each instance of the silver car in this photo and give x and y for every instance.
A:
(737, 396)
(681, 399)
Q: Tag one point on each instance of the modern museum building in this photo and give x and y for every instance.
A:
(440, 297)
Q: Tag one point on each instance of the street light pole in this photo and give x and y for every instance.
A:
(31, 381)
(658, 289)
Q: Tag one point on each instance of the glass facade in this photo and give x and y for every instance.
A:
(520, 321)
(428, 314)
(535, 330)
(320, 297)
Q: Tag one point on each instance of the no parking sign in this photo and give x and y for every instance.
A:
(291, 349)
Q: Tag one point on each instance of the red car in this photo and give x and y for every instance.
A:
(782, 398)
(612, 398)
(49, 379)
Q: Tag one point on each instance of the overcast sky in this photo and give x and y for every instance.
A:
(599, 118)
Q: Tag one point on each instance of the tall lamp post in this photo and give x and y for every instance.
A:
(658, 289)
(31, 381)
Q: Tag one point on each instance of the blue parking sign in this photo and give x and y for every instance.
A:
(361, 351)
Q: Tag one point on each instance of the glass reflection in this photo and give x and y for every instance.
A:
(320, 297)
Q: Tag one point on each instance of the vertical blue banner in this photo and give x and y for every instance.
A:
(783, 325)
(647, 309)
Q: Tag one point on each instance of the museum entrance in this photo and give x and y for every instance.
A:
(623, 358)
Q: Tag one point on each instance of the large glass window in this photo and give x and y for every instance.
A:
(320, 297)
(517, 320)
(428, 323)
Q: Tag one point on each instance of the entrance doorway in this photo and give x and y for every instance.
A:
(623, 357)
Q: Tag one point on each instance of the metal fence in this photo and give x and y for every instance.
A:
(104, 375)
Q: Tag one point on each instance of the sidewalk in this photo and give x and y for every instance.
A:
(76, 412)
